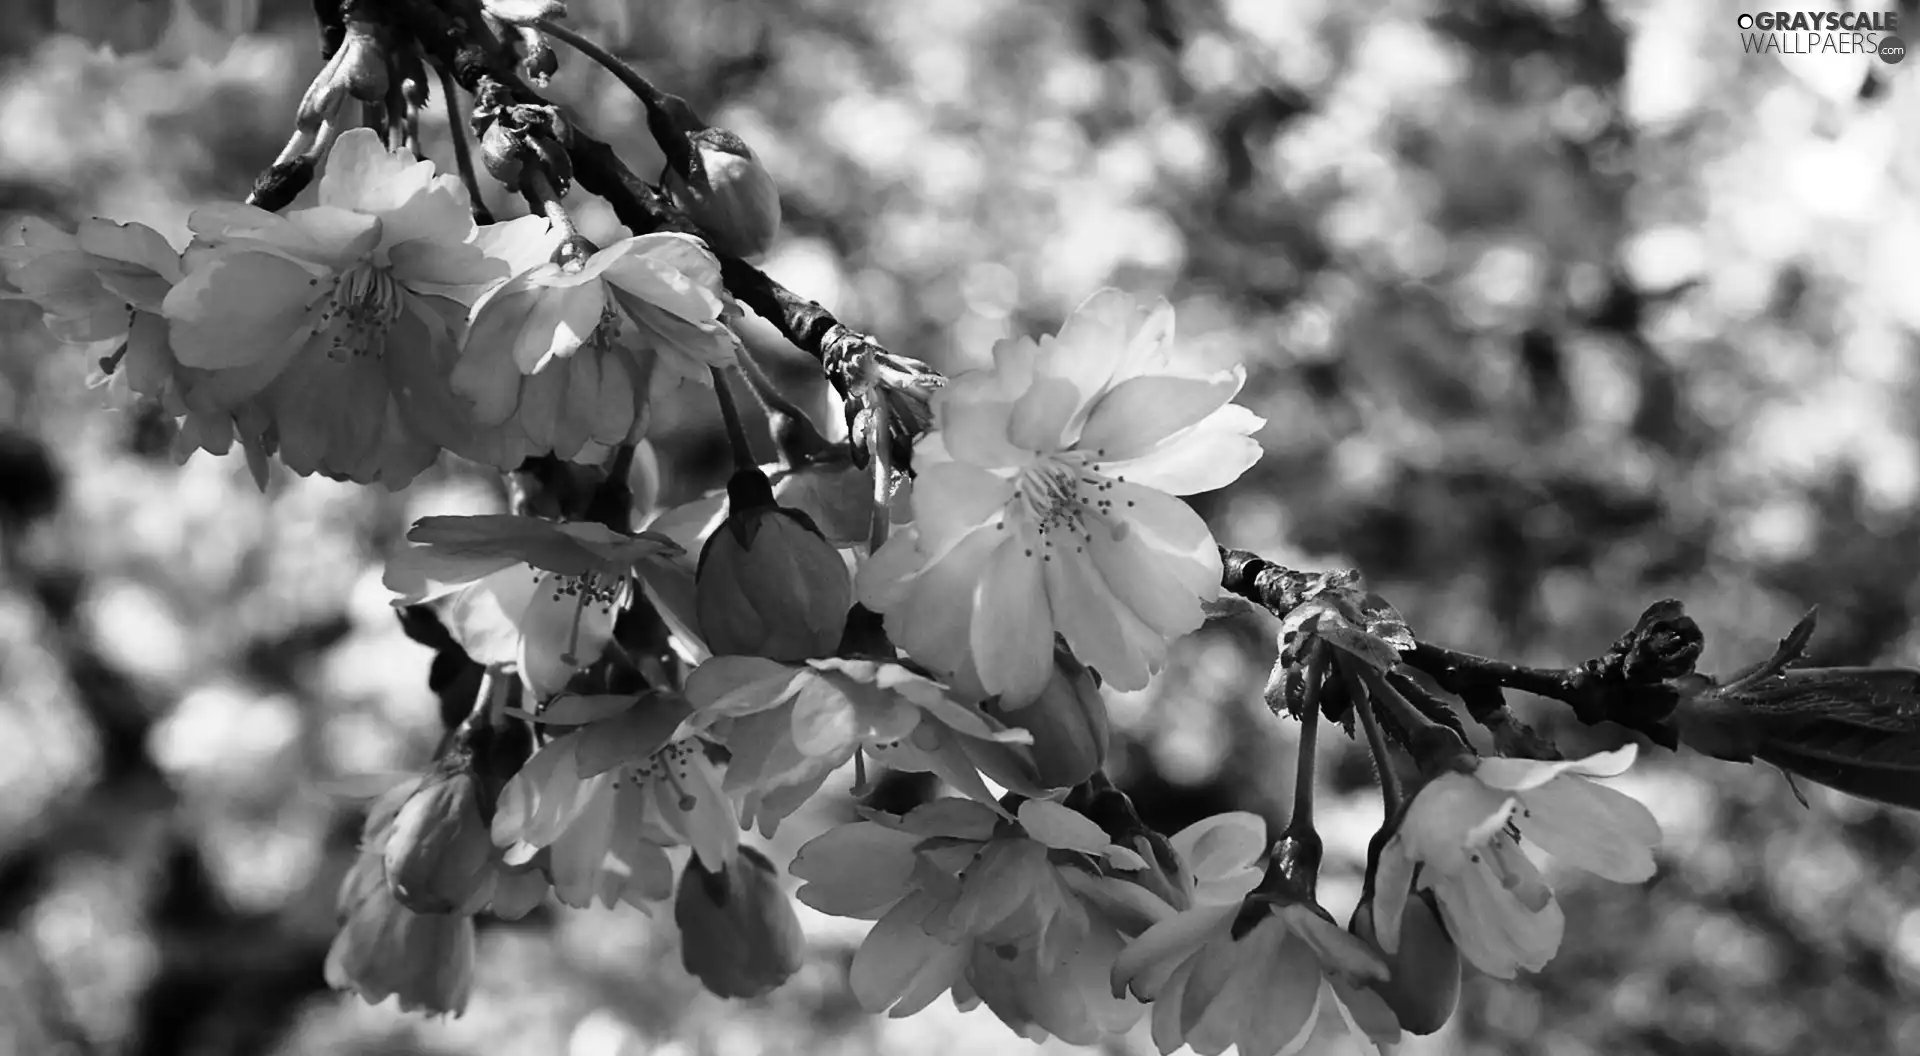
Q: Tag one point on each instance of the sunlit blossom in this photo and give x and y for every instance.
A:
(1261, 985)
(559, 358)
(518, 590)
(384, 949)
(969, 901)
(788, 726)
(1257, 973)
(606, 798)
(1045, 501)
(338, 321)
(102, 287)
(1460, 839)
(1213, 862)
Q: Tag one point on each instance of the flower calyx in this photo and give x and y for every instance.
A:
(1292, 877)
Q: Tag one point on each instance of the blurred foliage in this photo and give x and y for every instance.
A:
(1555, 307)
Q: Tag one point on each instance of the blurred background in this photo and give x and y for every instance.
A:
(1554, 307)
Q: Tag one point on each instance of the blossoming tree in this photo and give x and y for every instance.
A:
(947, 592)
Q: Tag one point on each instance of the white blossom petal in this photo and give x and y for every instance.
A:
(1599, 829)
(1061, 828)
(1012, 627)
(1520, 775)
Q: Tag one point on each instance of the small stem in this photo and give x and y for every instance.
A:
(505, 692)
(662, 120)
(1409, 717)
(1390, 796)
(462, 157)
(882, 478)
(736, 429)
(1431, 744)
(1309, 739)
(535, 184)
(483, 703)
(627, 75)
(806, 440)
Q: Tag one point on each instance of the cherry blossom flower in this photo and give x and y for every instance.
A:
(970, 902)
(559, 357)
(517, 590)
(1045, 501)
(789, 726)
(1258, 973)
(605, 799)
(1460, 839)
(386, 950)
(102, 287)
(1212, 863)
(338, 321)
(1263, 989)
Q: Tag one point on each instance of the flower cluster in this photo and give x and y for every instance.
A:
(648, 698)
(361, 336)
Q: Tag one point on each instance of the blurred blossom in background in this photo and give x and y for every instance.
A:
(1554, 308)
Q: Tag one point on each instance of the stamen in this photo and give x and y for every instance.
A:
(360, 305)
(573, 633)
(1060, 495)
(677, 780)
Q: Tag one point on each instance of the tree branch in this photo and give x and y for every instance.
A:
(1627, 685)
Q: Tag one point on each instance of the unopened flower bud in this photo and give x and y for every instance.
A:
(732, 197)
(438, 850)
(500, 154)
(836, 495)
(1068, 723)
(769, 584)
(738, 931)
(386, 950)
(1424, 981)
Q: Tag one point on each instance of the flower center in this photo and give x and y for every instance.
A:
(590, 588)
(1064, 497)
(672, 765)
(361, 305)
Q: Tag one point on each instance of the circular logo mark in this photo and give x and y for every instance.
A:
(1892, 50)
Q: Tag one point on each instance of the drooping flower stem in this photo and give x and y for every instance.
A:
(486, 701)
(736, 429)
(462, 158)
(882, 477)
(661, 115)
(1309, 737)
(613, 64)
(1390, 796)
(539, 188)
